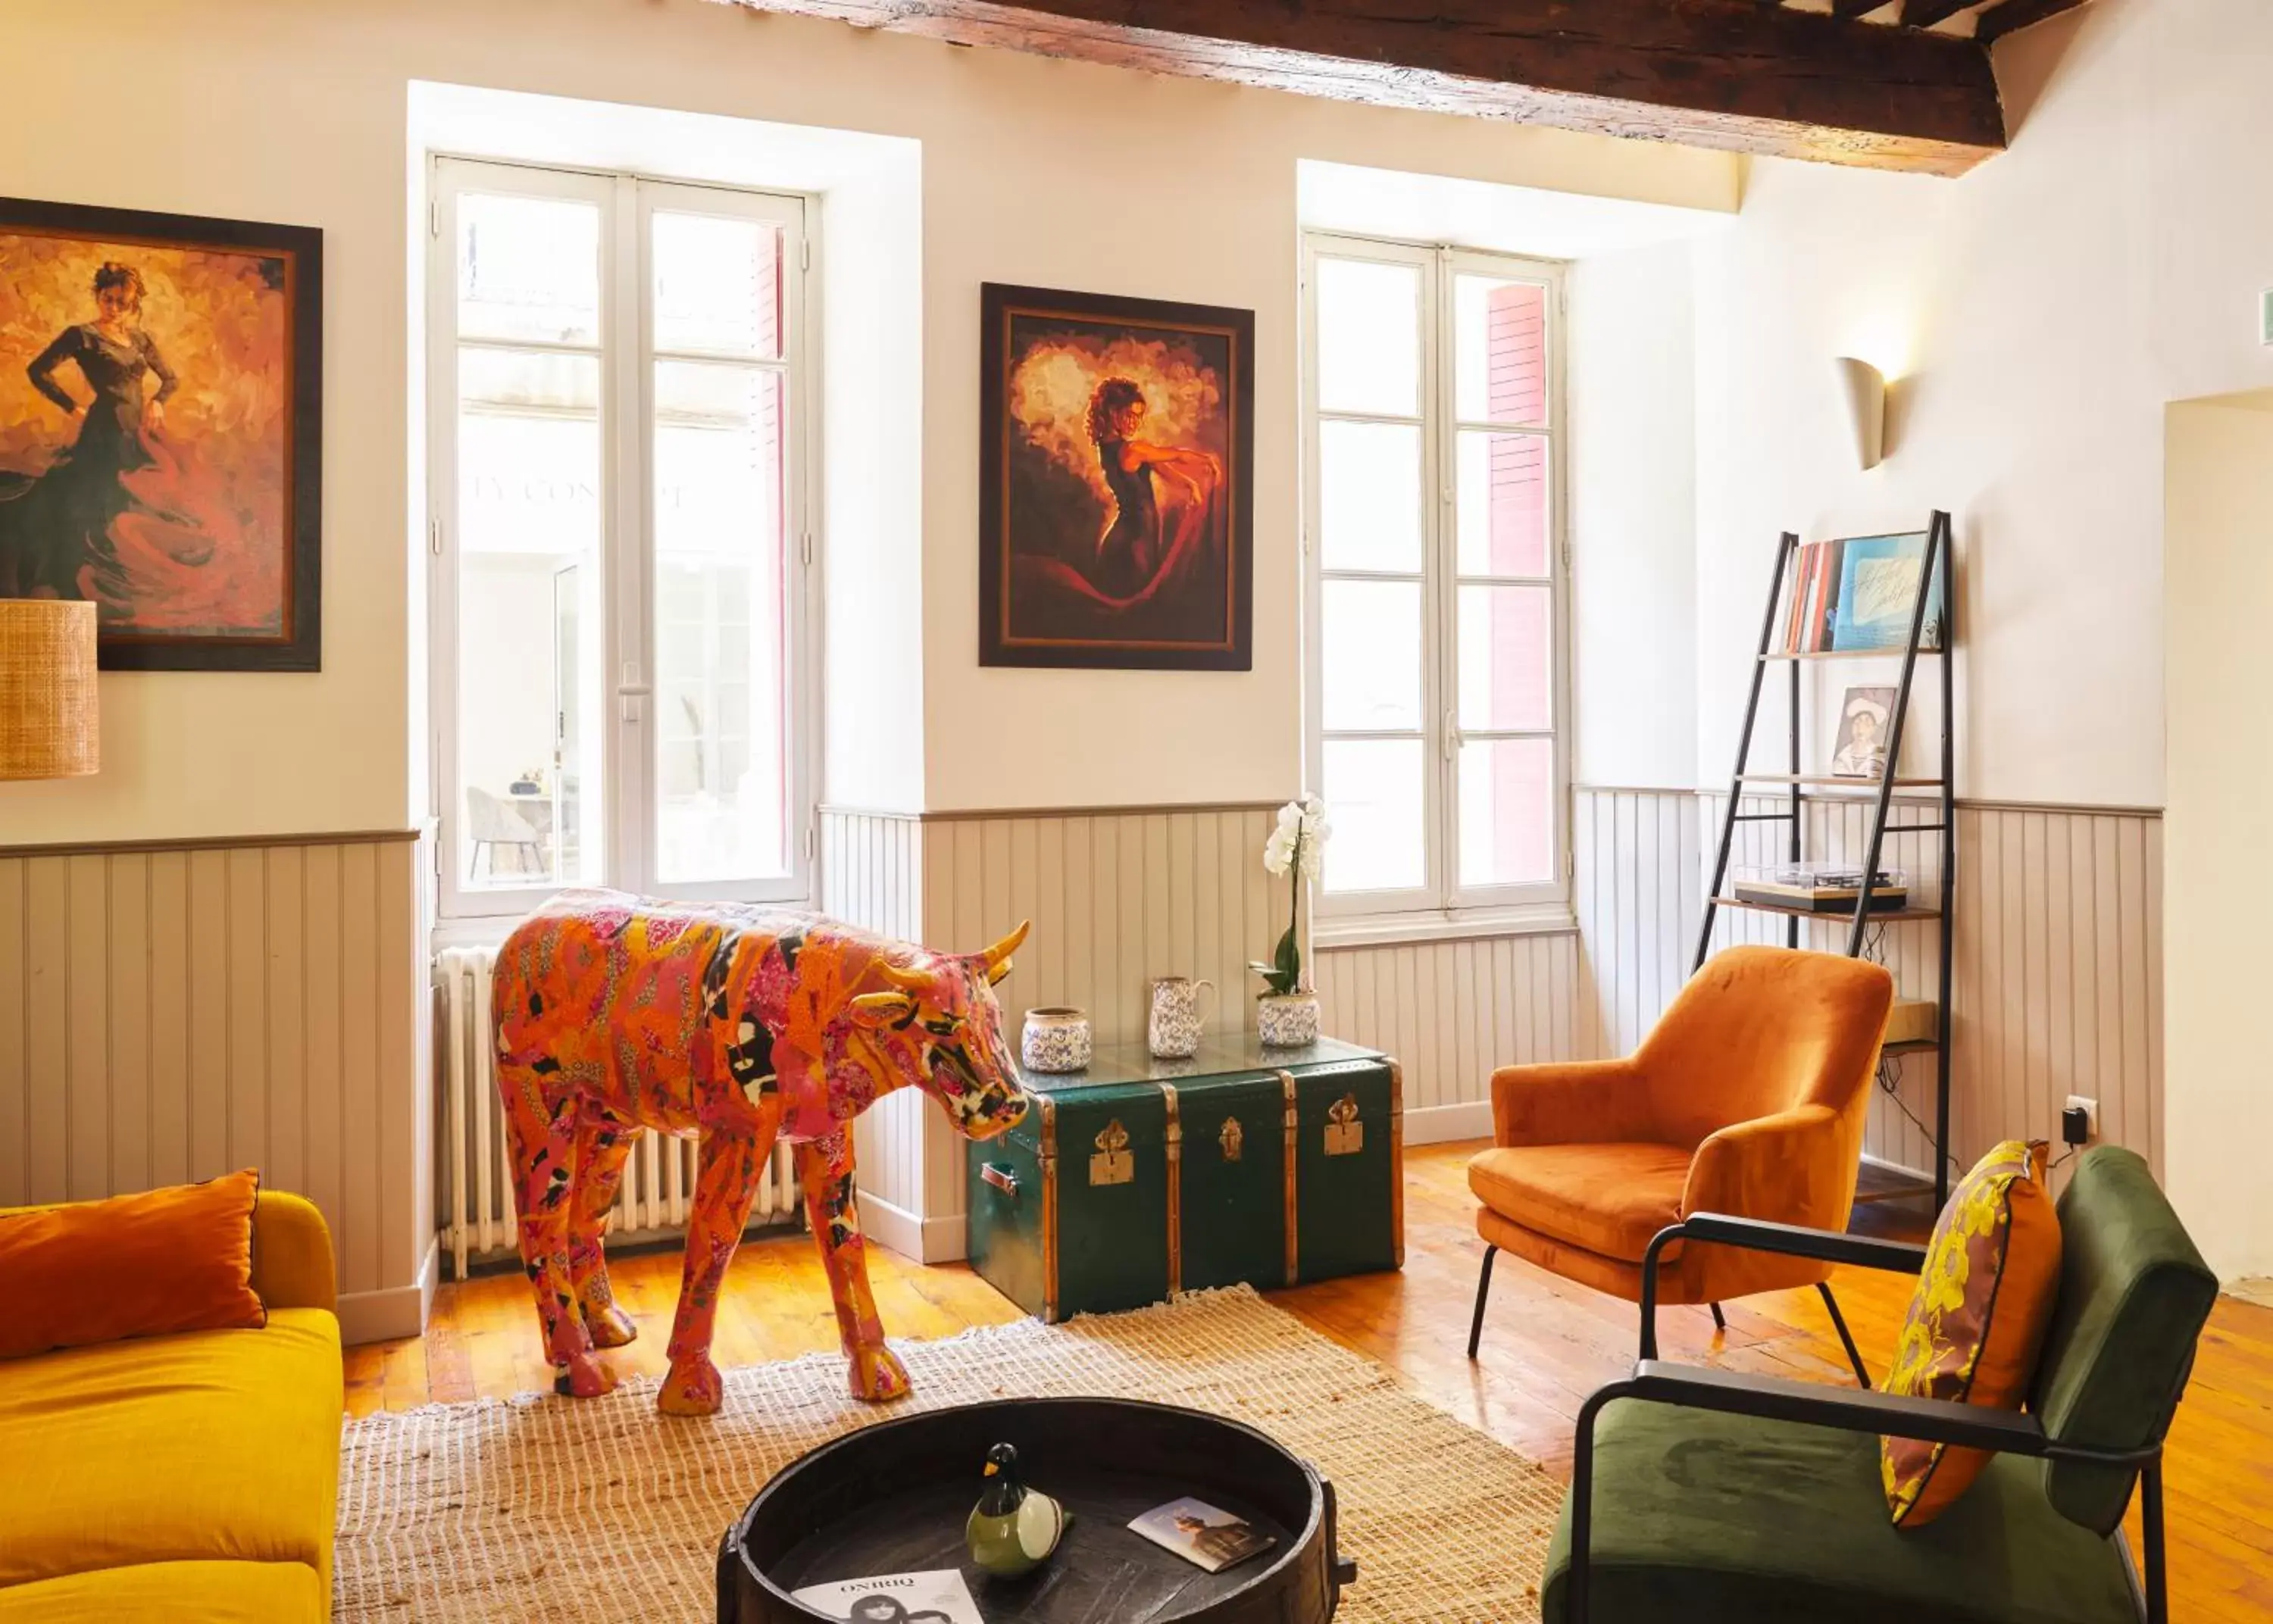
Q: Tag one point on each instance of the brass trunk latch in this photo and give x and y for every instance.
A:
(1230, 1139)
(1113, 1163)
(1345, 1134)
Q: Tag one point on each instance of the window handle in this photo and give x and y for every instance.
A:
(1453, 734)
(631, 691)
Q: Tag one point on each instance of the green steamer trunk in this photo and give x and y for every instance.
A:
(1140, 1177)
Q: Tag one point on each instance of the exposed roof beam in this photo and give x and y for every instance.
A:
(2011, 16)
(1925, 13)
(1720, 73)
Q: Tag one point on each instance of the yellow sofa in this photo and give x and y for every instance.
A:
(193, 1477)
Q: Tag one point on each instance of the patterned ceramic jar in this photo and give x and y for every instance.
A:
(1056, 1039)
(1174, 1032)
(1286, 1021)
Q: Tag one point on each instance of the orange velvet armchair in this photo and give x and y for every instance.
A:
(1748, 1099)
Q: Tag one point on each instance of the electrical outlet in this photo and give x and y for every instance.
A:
(2090, 1109)
(2265, 317)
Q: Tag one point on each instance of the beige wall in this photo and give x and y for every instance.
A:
(2058, 987)
(174, 1013)
(2218, 587)
(1033, 171)
(2038, 314)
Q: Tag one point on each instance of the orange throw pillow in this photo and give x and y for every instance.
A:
(172, 1260)
(1976, 1321)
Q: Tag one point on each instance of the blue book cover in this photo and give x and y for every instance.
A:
(1877, 590)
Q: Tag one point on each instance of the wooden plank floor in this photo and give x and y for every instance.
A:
(1547, 1345)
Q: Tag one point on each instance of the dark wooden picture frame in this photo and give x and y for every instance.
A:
(1117, 482)
(276, 540)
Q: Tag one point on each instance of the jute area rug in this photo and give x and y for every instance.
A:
(539, 1508)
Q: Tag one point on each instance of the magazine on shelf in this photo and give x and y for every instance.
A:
(1202, 1534)
(936, 1597)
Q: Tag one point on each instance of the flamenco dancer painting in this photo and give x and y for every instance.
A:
(151, 437)
(1115, 492)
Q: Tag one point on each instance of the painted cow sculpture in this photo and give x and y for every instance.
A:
(740, 1026)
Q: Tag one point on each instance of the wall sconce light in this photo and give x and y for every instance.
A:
(1864, 387)
(47, 689)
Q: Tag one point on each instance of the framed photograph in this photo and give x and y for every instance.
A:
(1117, 482)
(161, 433)
(1859, 749)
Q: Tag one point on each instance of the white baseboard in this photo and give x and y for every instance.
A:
(927, 1240)
(397, 1312)
(1438, 1125)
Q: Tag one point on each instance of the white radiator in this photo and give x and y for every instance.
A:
(477, 1219)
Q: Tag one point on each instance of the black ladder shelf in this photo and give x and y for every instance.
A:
(1794, 816)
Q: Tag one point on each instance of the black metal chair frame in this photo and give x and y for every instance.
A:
(1650, 1305)
(1778, 1399)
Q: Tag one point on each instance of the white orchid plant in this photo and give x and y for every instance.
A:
(1296, 849)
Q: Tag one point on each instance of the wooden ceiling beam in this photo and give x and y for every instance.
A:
(1731, 74)
(1925, 13)
(2011, 16)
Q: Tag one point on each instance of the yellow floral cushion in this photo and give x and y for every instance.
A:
(1976, 1319)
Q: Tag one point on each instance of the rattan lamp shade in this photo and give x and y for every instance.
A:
(47, 689)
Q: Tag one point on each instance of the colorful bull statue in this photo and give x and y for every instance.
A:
(739, 1026)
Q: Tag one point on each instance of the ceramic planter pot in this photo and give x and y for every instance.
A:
(1287, 1020)
(1057, 1038)
(1179, 1009)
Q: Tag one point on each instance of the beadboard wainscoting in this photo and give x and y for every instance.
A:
(172, 1011)
(2058, 981)
(1117, 895)
(2058, 988)
(1451, 1012)
(872, 876)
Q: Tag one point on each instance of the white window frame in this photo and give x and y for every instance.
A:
(1441, 906)
(624, 727)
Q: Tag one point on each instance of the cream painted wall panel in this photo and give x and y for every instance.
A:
(1636, 859)
(172, 1015)
(2057, 987)
(1453, 1013)
(1116, 898)
(2125, 210)
(872, 875)
(324, 144)
(1631, 463)
(2220, 576)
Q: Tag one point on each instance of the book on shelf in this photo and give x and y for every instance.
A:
(1855, 595)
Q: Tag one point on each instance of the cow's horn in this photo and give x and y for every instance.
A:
(906, 980)
(999, 954)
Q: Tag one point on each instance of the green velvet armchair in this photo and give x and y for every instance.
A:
(1711, 1497)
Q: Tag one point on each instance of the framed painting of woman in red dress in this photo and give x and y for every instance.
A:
(160, 407)
(1116, 445)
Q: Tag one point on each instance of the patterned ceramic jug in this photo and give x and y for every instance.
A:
(1177, 1016)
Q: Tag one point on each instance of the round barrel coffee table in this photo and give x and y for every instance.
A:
(893, 1498)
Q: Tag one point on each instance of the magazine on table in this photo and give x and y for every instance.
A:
(937, 1597)
(1202, 1534)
